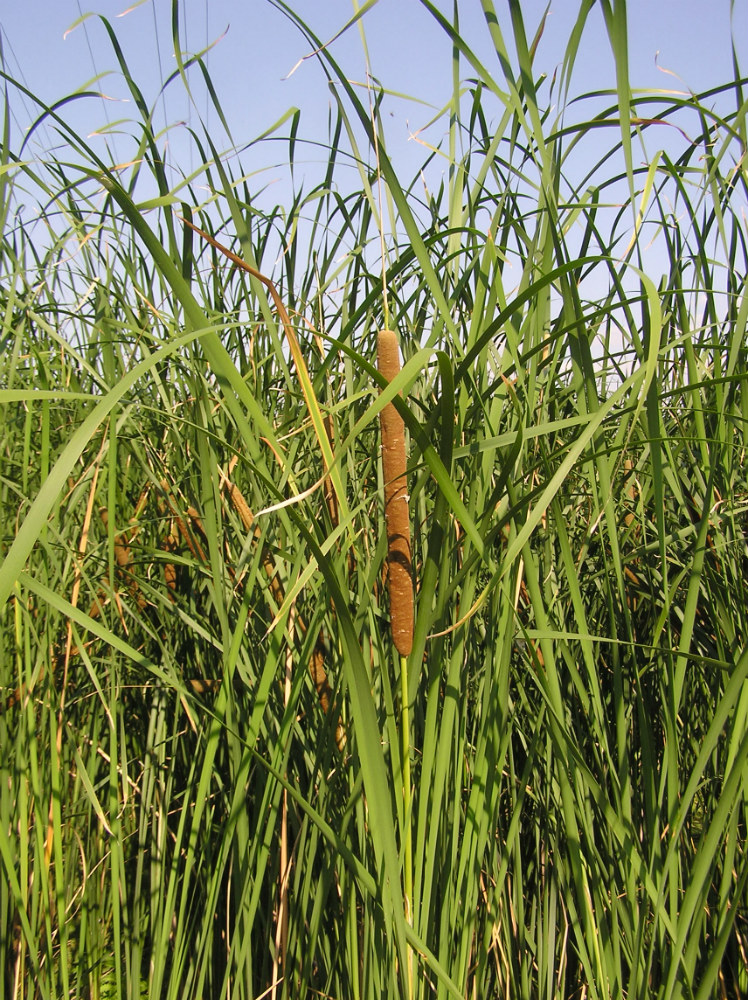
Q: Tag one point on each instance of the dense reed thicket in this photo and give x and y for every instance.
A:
(214, 780)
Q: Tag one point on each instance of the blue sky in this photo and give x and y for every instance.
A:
(677, 45)
(256, 47)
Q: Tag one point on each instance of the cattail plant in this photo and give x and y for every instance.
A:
(399, 567)
(400, 580)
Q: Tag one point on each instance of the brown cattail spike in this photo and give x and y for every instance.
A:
(396, 514)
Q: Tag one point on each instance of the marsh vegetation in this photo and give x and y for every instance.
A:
(218, 777)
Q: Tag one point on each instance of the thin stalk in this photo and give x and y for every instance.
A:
(407, 800)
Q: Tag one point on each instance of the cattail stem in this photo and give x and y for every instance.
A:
(407, 794)
(396, 513)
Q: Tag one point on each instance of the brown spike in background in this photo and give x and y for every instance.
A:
(317, 662)
(396, 512)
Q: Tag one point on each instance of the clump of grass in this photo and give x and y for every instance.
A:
(553, 800)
